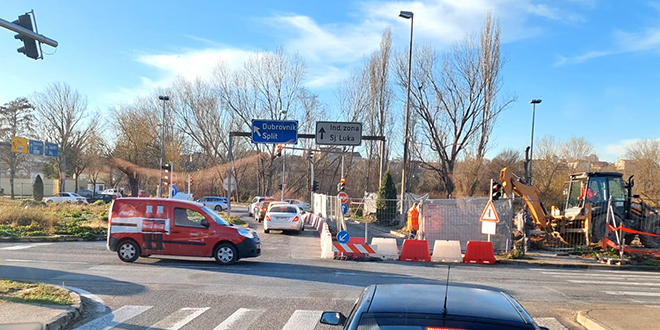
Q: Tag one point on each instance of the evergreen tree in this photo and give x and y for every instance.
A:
(386, 207)
(38, 189)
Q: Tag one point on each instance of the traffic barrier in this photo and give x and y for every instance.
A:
(326, 248)
(415, 250)
(325, 233)
(479, 252)
(386, 248)
(447, 251)
(352, 250)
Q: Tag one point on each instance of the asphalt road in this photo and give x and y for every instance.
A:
(289, 286)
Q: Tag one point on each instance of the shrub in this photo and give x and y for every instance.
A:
(38, 189)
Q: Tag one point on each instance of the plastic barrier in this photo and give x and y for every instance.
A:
(352, 250)
(326, 247)
(387, 248)
(414, 250)
(479, 252)
(447, 251)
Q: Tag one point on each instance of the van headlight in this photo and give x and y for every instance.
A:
(246, 233)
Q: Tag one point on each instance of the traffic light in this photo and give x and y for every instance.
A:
(311, 155)
(166, 179)
(279, 150)
(192, 180)
(497, 191)
(29, 45)
(315, 186)
(342, 185)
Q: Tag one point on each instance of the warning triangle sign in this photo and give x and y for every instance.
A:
(489, 213)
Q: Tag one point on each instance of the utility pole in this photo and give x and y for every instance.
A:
(230, 158)
(163, 98)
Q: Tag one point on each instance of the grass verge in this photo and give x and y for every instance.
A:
(33, 293)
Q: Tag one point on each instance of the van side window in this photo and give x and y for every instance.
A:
(188, 218)
(150, 209)
(160, 209)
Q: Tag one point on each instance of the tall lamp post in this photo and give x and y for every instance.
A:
(406, 15)
(163, 98)
(534, 102)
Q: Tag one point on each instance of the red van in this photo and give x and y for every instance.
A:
(145, 226)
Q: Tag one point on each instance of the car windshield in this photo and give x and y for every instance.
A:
(283, 209)
(406, 321)
(216, 217)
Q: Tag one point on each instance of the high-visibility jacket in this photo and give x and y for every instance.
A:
(413, 218)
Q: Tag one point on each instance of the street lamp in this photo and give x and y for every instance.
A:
(163, 98)
(406, 15)
(534, 102)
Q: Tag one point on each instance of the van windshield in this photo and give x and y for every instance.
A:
(216, 217)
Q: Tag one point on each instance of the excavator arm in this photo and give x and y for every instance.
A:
(511, 183)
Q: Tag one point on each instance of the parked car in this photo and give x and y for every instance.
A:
(140, 227)
(260, 211)
(300, 204)
(252, 208)
(283, 216)
(114, 192)
(142, 193)
(87, 193)
(422, 306)
(102, 197)
(216, 203)
(66, 197)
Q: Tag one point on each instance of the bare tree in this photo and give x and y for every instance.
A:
(63, 114)
(16, 119)
(576, 148)
(458, 104)
(645, 155)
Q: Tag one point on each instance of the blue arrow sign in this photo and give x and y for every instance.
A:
(344, 208)
(36, 147)
(51, 150)
(274, 131)
(342, 237)
(174, 190)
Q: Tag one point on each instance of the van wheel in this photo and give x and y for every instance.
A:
(225, 254)
(128, 251)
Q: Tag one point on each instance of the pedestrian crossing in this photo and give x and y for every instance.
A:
(639, 286)
(127, 317)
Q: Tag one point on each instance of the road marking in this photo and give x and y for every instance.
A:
(613, 283)
(178, 319)
(232, 322)
(630, 293)
(115, 318)
(599, 276)
(302, 320)
(47, 261)
(550, 323)
(24, 246)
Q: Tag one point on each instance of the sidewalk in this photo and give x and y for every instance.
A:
(621, 318)
(19, 316)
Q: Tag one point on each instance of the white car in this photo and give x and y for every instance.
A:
(283, 216)
(67, 197)
(113, 192)
(252, 208)
(300, 204)
(213, 202)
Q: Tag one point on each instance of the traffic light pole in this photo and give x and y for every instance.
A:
(311, 197)
(25, 32)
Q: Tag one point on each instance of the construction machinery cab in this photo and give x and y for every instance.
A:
(596, 188)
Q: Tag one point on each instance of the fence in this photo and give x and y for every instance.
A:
(329, 207)
(458, 219)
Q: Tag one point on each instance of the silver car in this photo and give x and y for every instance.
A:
(213, 202)
(300, 204)
(283, 216)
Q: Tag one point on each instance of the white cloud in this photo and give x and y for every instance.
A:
(614, 152)
(582, 58)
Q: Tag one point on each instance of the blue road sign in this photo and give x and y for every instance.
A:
(342, 237)
(344, 208)
(51, 150)
(274, 131)
(36, 147)
(174, 190)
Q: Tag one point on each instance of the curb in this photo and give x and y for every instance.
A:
(41, 239)
(73, 313)
(550, 264)
(589, 323)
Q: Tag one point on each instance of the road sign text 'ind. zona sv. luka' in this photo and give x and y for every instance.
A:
(338, 133)
(274, 131)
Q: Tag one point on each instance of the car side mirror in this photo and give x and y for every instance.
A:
(333, 318)
(204, 223)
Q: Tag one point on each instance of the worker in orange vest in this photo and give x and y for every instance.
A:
(413, 220)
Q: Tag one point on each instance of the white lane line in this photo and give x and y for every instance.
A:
(303, 320)
(46, 261)
(655, 277)
(630, 293)
(178, 319)
(550, 323)
(232, 322)
(99, 305)
(115, 318)
(24, 246)
(613, 283)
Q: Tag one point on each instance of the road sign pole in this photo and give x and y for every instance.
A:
(231, 160)
(311, 197)
(283, 171)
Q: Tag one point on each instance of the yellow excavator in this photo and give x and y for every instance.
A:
(583, 217)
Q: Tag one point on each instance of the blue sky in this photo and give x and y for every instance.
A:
(595, 63)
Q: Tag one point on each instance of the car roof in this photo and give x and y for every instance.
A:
(461, 301)
(156, 199)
